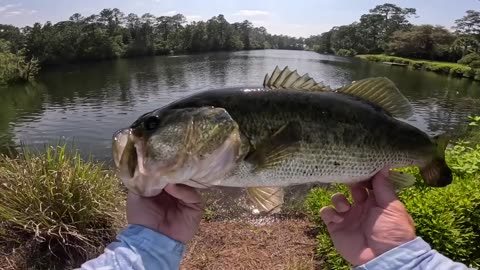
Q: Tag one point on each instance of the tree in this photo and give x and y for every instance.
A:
(469, 24)
(394, 17)
(465, 45)
(422, 42)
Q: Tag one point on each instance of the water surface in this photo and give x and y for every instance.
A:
(86, 103)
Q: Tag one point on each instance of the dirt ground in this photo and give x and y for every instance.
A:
(257, 244)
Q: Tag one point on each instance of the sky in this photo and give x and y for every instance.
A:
(293, 17)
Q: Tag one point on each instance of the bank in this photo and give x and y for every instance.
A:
(445, 68)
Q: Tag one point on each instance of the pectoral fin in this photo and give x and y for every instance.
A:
(278, 147)
(266, 199)
(401, 180)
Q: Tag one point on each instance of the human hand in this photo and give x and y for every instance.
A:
(175, 212)
(375, 223)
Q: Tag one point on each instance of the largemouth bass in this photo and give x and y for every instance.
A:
(291, 131)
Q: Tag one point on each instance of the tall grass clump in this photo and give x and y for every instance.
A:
(447, 218)
(57, 207)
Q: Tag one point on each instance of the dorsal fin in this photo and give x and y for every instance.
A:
(381, 92)
(287, 79)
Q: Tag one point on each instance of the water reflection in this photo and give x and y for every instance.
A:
(88, 102)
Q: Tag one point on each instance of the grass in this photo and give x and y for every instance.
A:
(57, 206)
(446, 68)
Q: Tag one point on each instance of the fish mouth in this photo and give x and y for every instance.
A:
(125, 152)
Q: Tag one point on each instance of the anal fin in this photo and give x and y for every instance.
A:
(266, 199)
(401, 180)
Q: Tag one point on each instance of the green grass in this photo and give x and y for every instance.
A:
(447, 218)
(446, 68)
(58, 207)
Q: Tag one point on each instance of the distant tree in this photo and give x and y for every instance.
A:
(469, 24)
(465, 45)
(423, 42)
(394, 17)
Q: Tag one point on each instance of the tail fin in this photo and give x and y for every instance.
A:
(437, 173)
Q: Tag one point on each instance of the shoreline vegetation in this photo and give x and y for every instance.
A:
(445, 68)
(112, 34)
(63, 209)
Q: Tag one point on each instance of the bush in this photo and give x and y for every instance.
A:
(57, 206)
(346, 52)
(469, 58)
(15, 68)
(475, 64)
(447, 218)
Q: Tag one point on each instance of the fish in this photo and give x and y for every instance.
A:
(290, 131)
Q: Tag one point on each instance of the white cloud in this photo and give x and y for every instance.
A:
(14, 13)
(21, 11)
(252, 13)
(191, 18)
(8, 6)
(170, 13)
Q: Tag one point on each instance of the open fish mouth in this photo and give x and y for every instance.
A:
(125, 152)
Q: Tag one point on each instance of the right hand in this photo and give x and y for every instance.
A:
(175, 212)
(375, 223)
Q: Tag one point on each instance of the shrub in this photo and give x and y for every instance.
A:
(346, 52)
(469, 58)
(57, 206)
(475, 64)
(477, 75)
(14, 67)
(447, 218)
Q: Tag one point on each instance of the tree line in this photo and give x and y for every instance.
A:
(387, 29)
(112, 34)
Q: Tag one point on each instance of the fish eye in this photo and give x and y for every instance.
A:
(151, 123)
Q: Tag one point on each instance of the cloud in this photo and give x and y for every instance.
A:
(191, 18)
(8, 6)
(170, 13)
(252, 13)
(20, 12)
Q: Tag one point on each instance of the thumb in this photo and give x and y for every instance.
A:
(383, 189)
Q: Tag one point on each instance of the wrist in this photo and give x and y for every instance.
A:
(399, 257)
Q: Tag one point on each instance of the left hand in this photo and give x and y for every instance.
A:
(175, 212)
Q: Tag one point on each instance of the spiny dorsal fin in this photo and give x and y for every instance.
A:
(381, 92)
(287, 79)
(266, 199)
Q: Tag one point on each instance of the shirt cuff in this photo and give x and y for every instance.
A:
(148, 239)
(401, 257)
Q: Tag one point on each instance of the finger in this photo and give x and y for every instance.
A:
(340, 202)
(383, 189)
(359, 192)
(184, 193)
(329, 215)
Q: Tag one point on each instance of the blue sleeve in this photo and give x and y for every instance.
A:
(416, 254)
(139, 248)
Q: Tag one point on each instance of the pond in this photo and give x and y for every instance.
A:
(86, 103)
